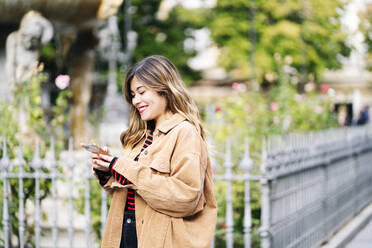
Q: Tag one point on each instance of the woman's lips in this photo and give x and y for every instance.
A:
(142, 109)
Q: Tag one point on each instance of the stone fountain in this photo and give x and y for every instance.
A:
(74, 23)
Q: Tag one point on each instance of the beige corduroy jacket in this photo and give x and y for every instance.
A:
(175, 203)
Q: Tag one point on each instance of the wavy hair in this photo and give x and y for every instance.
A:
(160, 75)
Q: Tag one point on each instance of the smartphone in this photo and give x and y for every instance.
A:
(94, 148)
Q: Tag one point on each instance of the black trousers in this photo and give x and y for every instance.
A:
(129, 233)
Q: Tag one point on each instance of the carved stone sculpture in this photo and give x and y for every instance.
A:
(22, 58)
(23, 47)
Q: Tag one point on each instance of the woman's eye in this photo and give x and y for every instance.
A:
(141, 93)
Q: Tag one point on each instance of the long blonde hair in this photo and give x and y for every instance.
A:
(161, 76)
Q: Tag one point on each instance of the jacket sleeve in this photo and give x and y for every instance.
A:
(178, 194)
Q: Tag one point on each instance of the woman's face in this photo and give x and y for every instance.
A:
(149, 104)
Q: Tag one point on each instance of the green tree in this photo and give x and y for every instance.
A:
(307, 32)
(161, 36)
(366, 29)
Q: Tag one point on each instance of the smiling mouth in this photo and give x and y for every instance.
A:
(142, 109)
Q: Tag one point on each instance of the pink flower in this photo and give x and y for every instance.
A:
(218, 109)
(310, 86)
(324, 88)
(62, 81)
(274, 106)
(235, 85)
(318, 109)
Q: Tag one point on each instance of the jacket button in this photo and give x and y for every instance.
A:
(142, 221)
(129, 220)
(145, 152)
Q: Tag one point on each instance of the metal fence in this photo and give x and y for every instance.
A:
(311, 184)
(64, 176)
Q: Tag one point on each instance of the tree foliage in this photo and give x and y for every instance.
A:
(366, 29)
(161, 36)
(255, 114)
(255, 30)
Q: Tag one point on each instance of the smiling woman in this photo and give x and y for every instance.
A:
(162, 185)
(149, 104)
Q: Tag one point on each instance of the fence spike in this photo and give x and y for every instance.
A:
(246, 163)
(36, 161)
(263, 156)
(5, 151)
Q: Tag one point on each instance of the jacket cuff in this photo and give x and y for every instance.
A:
(128, 168)
(103, 176)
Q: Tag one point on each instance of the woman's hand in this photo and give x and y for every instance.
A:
(101, 161)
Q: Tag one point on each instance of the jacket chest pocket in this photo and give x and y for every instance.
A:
(160, 166)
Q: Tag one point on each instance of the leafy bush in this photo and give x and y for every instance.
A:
(27, 96)
(255, 114)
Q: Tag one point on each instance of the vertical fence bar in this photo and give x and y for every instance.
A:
(103, 211)
(36, 164)
(246, 165)
(21, 195)
(229, 204)
(87, 205)
(265, 201)
(70, 166)
(214, 166)
(54, 193)
(5, 166)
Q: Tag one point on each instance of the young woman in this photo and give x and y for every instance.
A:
(161, 186)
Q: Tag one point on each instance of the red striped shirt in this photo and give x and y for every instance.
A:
(130, 202)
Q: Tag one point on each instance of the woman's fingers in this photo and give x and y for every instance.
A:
(101, 168)
(100, 164)
(104, 157)
(107, 150)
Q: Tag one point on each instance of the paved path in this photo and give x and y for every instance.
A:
(357, 233)
(363, 239)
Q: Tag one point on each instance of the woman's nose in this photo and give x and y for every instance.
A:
(135, 100)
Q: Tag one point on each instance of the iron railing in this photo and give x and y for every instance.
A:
(311, 184)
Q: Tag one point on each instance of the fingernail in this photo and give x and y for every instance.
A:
(98, 154)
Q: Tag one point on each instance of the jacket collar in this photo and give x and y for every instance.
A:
(170, 123)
